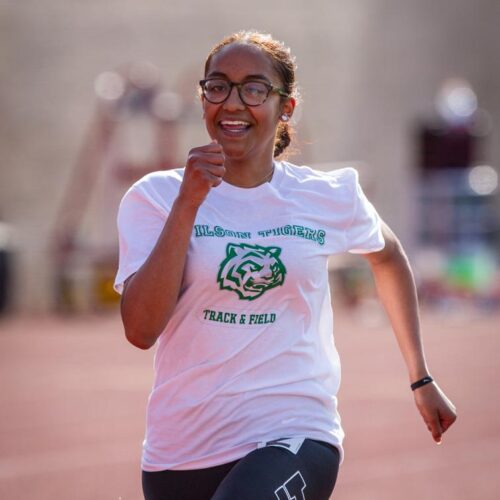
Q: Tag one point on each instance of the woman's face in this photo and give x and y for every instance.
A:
(244, 132)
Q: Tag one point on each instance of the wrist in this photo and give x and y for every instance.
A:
(418, 369)
(187, 204)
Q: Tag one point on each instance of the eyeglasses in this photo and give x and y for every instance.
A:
(252, 93)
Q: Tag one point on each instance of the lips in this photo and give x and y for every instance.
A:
(234, 127)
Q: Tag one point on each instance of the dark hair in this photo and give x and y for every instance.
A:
(282, 61)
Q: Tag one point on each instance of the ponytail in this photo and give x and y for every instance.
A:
(283, 138)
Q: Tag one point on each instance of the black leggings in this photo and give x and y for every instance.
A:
(269, 473)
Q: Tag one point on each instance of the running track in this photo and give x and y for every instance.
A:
(74, 393)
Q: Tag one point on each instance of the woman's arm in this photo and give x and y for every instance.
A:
(150, 295)
(397, 292)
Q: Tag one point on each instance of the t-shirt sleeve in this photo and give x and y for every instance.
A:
(364, 232)
(140, 222)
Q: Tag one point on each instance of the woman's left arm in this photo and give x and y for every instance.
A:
(397, 292)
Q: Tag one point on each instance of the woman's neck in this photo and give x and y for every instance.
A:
(248, 174)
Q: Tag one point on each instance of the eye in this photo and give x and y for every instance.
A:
(216, 86)
(255, 89)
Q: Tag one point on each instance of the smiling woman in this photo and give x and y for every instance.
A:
(251, 123)
(223, 265)
(282, 63)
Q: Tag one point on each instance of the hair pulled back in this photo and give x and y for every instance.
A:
(284, 65)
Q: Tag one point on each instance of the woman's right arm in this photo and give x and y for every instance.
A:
(150, 295)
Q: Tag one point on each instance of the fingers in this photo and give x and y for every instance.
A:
(206, 159)
(213, 147)
(443, 421)
(211, 153)
(448, 417)
(204, 170)
(435, 429)
(217, 170)
(216, 178)
(212, 174)
(215, 158)
(436, 409)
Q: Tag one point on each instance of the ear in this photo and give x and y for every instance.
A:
(288, 106)
(274, 251)
(232, 250)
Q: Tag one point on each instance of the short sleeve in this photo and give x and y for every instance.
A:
(364, 233)
(140, 223)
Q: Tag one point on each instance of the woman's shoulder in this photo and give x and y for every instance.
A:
(158, 188)
(160, 179)
(159, 183)
(345, 177)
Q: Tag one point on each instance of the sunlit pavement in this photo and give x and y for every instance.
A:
(74, 394)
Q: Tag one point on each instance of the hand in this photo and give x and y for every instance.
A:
(204, 170)
(436, 409)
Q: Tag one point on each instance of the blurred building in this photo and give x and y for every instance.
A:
(458, 198)
(366, 69)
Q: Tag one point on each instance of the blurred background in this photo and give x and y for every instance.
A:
(95, 94)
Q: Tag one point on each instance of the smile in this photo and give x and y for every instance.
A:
(234, 127)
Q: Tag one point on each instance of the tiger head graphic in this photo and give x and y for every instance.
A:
(251, 270)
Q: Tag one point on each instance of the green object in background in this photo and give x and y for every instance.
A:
(473, 272)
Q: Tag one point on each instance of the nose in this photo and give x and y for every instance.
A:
(233, 101)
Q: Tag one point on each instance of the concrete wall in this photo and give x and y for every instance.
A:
(367, 68)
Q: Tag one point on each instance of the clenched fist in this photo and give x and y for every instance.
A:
(204, 170)
(438, 412)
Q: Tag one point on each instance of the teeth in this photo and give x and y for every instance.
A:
(233, 123)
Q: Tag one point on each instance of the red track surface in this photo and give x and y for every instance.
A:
(74, 395)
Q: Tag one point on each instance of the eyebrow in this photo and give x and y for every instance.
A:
(216, 74)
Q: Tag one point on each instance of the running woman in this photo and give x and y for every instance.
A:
(223, 266)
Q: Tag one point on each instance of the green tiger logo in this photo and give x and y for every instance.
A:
(251, 270)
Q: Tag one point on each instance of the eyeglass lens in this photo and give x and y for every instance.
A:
(251, 93)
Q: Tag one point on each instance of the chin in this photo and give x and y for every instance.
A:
(233, 152)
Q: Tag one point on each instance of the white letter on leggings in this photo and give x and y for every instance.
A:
(292, 489)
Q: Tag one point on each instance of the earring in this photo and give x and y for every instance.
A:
(284, 117)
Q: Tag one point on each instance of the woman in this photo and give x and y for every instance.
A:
(223, 266)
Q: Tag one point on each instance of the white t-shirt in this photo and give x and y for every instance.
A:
(248, 355)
